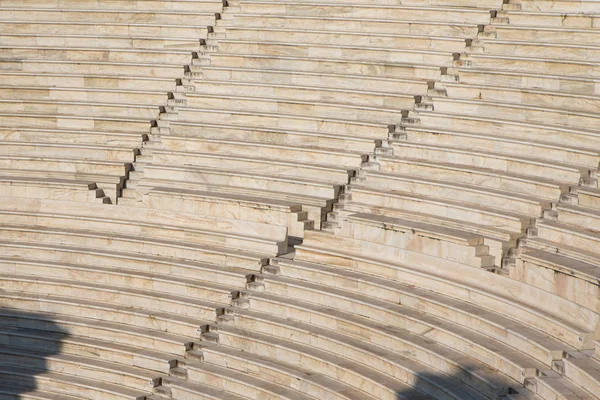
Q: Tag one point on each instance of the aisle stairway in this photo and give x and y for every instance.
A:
(299, 200)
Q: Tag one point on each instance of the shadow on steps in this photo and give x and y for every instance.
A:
(27, 340)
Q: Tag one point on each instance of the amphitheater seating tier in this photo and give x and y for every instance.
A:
(299, 200)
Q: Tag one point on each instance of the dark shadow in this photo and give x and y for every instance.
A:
(428, 380)
(26, 341)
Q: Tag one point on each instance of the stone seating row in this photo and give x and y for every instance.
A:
(123, 29)
(349, 24)
(199, 14)
(367, 11)
(552, 19)
(520, 79)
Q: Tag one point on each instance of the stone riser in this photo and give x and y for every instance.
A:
(305, 93)
(471, 176)
(337, 66)
(435, 207)
(108, 27)
(350, 24)
(366, 54)
(265, 121)
(382, 13)
(381, 86)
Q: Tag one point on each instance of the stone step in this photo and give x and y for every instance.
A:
(481, 154)
(503, 221)
(514, 148)
(110, 41)
(469, 195)
(91, 82)
(318, 94)
(349, 53)
(186, 148)
(510, 128)
(515, 112)
(281, 120)
(81, 367)
(187, 269)
(296, 108)
(540, 98)
(182, 310)
(188, 176)
(42, 342)
(240, 382)
(119, 139)
(344, 38)
(336, 81)
(549, 35)
(368, 335)
(195, 290)
(328, 65)
(264, 166)
(588, 197)
(555, 19)
(42, 331)
(10, 392)
(59, 383)
(569, 235)
(80, 67)
(548, 66)
(582, 7)
(107, 27)
(285, 137)
(82, 152)
(90, 54)
(363, 24)
(497, 241)
(126, 315)
(40, 188)
(581, 217)
(572, 328)
(561, 249)
(140, 97)
(85, 110)
(562, 275)
(230, 206)
(575, 52)
(517, 79)
(387, 12)
(392, 234)
(558, 387)
(44, 12)
(85, 170)
(481, 176)
(179, 389)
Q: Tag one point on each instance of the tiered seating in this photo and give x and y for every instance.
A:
(82, 81)
(430, 140)
(286, 113)
(397, 299)
(114, 292)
